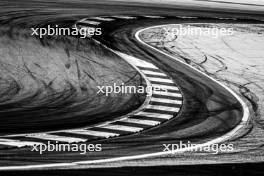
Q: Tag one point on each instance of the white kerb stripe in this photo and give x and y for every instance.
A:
(17, 143)
(150, 16)
(164, 100)
(153, 73)
(135, 61)
(139, 121)
(155, 115)
(102, 18)
(141, 63)
(90, 22)
(85, 27)
(121, 128)
(82, 20)
(124, 17)
(167, 93)
(56, 138)
(164, 87)
(93, 133)
(160, 79)
(163, 108)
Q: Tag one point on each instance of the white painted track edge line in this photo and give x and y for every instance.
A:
(17, 143)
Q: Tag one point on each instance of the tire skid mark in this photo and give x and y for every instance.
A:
(149, 115)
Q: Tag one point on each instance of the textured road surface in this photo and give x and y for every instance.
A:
(208, 111)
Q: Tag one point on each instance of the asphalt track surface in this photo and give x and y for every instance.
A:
(215, 170)
(199, 120)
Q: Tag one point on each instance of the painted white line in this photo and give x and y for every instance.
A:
(102, 18)
(167, 93)
(164, 100)
(153, 73)
(165, 87)
(17, 143)
(90, 22)
(155, 115)
(137, 62)
(163, 108)
(124, 17)
(55, 138)
(93, 133)
(121, 128)
(246, 115)
(139, 121)
(164, 80)
(152, 16)
(225, 137)
(27, 167)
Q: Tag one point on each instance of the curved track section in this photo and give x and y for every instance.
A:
(159, 107)
(159, 70)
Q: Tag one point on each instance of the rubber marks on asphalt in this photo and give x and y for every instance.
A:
(161, 107)
(96, 21)
(92, 22)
